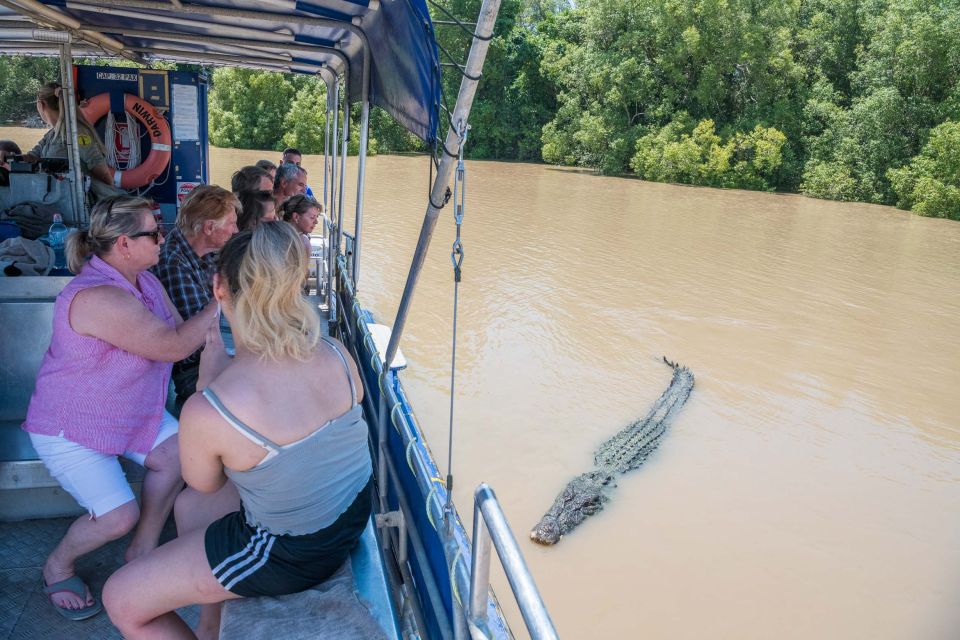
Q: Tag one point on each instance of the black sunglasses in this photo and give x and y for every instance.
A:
(155, 234)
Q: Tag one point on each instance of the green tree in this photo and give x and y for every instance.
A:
(304, 124)
(632, 66)
(514, 99)
(905, 82)
(20, 79)
(248, 108)
(390, 136)
(930, 184)
(680, 152)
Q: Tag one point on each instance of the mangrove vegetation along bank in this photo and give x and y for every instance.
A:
(855, 100)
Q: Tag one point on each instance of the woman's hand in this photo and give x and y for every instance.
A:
(214, 358)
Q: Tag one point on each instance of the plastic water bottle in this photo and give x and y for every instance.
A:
(57, 237)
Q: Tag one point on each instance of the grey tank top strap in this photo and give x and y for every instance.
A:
(235, 422)
(346, 367)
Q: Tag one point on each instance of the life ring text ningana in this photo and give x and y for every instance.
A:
(157, 129)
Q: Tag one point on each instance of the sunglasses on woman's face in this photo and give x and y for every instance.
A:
(155, 234)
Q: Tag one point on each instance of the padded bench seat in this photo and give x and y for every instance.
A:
(353, 603)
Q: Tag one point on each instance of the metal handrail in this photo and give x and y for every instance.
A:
(490, 525)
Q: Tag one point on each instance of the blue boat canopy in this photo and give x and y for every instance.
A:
(389, 43)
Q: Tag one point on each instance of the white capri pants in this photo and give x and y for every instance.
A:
(94, 479)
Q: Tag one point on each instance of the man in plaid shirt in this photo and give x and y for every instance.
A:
(207, 219)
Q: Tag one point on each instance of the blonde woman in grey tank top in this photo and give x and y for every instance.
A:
(283, 421)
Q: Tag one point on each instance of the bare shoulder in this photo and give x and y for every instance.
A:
(339, 345)
(351, 365)
(198, 414)
(91, 307)
(103, 294)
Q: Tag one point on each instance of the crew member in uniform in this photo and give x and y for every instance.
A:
(93, 160)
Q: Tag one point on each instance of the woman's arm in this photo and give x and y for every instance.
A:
(102, 173)
(172, 307)
(200, 464)
(213, 358)
(115, 316)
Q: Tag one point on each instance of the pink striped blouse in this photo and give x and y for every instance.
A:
(92, 392)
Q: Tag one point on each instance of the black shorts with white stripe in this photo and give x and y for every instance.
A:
(251, 561)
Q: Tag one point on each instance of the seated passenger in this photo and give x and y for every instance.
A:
(93, 159)
(251, 178)
(207, 219)
(293, 156)
(302, 212)
(267, 166)
(275, 502)
(291, 181)
(101, 390)
(9, 148)
(256, 207)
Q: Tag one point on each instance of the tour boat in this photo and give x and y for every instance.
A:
(419, 572)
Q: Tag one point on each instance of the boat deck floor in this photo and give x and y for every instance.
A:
(26, 612)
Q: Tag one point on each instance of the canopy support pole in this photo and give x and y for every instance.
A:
(334, 101)
(451, 148)
(468, 89)
(73, 149)
(326, 143)
(361, 171)
(343, 158)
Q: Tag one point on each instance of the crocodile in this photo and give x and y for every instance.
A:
(586, 494)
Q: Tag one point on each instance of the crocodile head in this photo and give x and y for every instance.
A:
(547, 531)
(582, 497)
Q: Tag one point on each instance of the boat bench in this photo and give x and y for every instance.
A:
(353, 603)
(26, 319)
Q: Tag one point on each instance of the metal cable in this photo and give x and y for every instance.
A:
(460, 23)
(456, 257)
(460, 68)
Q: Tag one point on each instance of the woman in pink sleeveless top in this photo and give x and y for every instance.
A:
(101, 390)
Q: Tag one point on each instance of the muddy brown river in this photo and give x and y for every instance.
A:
(810, 488)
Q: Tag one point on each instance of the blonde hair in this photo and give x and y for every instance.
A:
(52, 96)
(265, 269)
(111, 218)
(206, 202)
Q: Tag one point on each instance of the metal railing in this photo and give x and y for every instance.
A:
(468, 569)
(490, 525)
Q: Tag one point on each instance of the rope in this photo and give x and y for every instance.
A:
(393, 417)
(453, 576)
(133, 140)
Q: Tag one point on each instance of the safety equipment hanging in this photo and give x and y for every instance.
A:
(157, 130)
